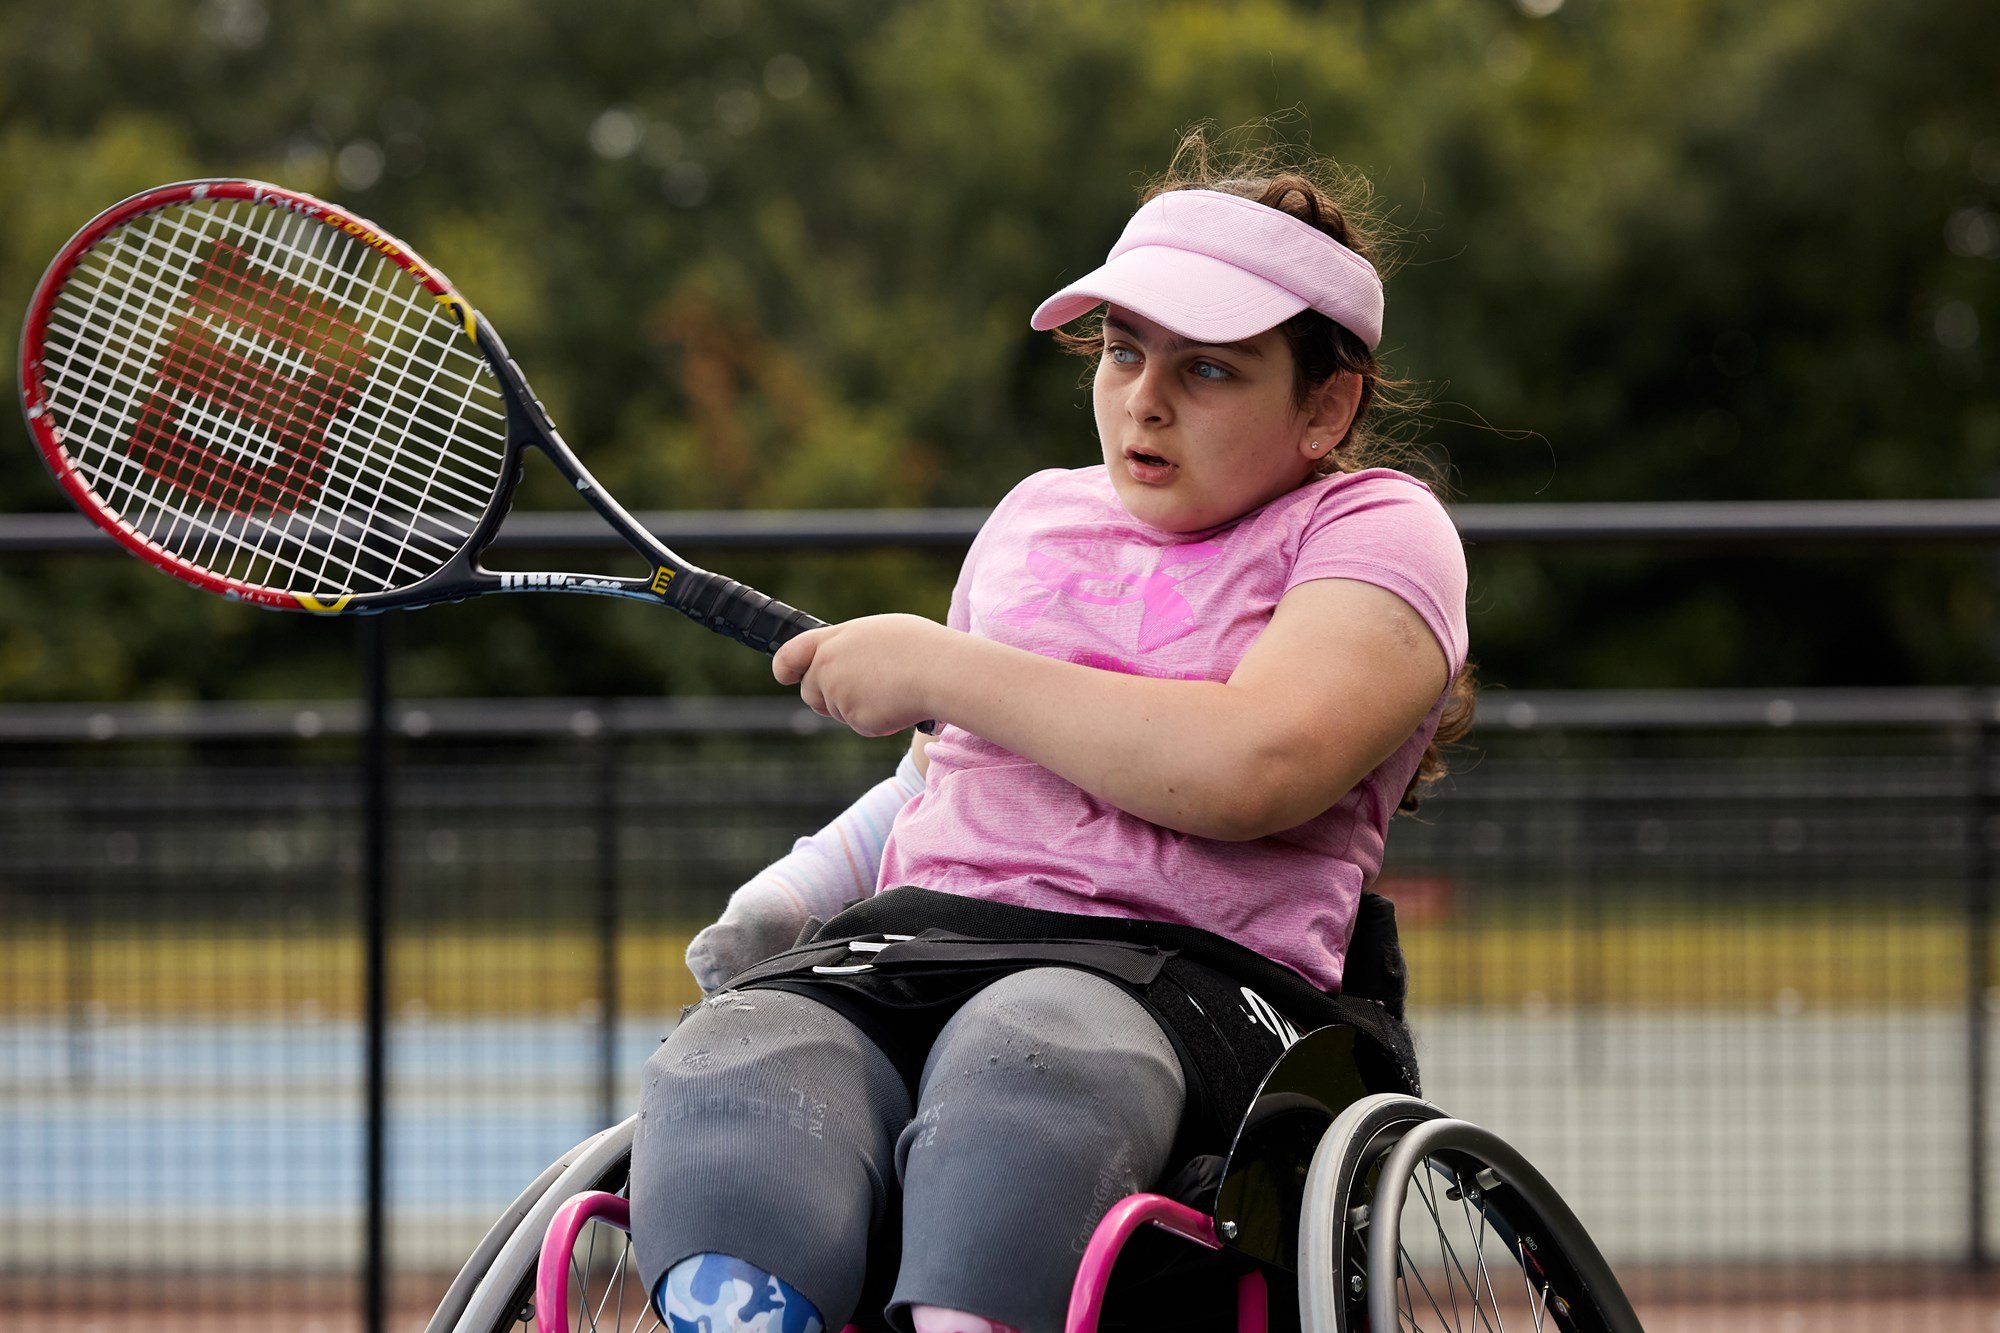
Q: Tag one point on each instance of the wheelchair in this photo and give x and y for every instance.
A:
(1336, 1209)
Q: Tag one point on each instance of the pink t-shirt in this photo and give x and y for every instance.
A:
(1061, 569)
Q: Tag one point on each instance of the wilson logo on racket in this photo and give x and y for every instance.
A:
(268, 360)
(575, 582)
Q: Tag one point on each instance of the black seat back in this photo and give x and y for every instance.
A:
(1375, 969)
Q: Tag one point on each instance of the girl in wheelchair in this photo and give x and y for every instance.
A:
(1179, 695)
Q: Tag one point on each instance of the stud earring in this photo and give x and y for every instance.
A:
(1314, 446)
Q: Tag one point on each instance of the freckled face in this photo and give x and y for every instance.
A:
(1196, 434)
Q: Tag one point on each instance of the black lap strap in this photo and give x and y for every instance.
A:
(933, 949)
(1134, 964)
(944, 922)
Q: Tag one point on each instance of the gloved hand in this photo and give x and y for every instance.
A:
(818, 877)
(763, 917)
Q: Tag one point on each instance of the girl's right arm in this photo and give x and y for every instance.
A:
(814, 881)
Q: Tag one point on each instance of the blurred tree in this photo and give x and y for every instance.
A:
(784, 254)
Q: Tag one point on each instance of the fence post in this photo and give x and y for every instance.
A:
(1979, 967)
(375, 969)
(607, 914)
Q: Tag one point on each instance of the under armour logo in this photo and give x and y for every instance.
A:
(1084, 571)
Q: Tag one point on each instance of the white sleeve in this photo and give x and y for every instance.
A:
(814, 881)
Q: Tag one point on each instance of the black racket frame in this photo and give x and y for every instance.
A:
(713, 601)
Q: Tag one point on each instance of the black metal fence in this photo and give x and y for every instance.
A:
(293, 995)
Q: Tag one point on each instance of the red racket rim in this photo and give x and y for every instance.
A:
(34, 334)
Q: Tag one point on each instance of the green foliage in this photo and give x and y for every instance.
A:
(783, 255)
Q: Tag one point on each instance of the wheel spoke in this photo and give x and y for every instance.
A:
(1421, 1179)
(1450, 1253)
(611, 1285)
(1410, 1265)
(591, 1311)
(1467, 1209)
(1528, 1281)
(1425, 1185)
(618, 1281)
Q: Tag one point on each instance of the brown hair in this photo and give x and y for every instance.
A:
(1340, 202)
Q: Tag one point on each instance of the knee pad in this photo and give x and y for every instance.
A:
(936, 1319)
(714, 1293)
(1057, 1033)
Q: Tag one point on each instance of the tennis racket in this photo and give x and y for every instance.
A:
(273, 399)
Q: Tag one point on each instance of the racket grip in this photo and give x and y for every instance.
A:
(752, 619)
(746, 615)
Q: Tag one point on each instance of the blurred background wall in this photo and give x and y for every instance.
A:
(1713, 960)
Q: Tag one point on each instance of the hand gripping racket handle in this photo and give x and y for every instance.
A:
(752, 619)
(744, 614)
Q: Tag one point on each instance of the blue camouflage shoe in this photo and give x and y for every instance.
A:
(713, 1293)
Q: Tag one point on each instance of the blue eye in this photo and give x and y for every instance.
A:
(1121, 354)
(1201, 369)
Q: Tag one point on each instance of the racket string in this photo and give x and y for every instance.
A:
(322, 237)
(447, 343)
(317, 363)
(272, 401)
(151, 492)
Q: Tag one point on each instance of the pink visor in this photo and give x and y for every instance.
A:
(1220, 268)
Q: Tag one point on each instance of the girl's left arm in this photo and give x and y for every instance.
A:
(1344, 674)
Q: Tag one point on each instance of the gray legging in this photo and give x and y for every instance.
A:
(772, 1130)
